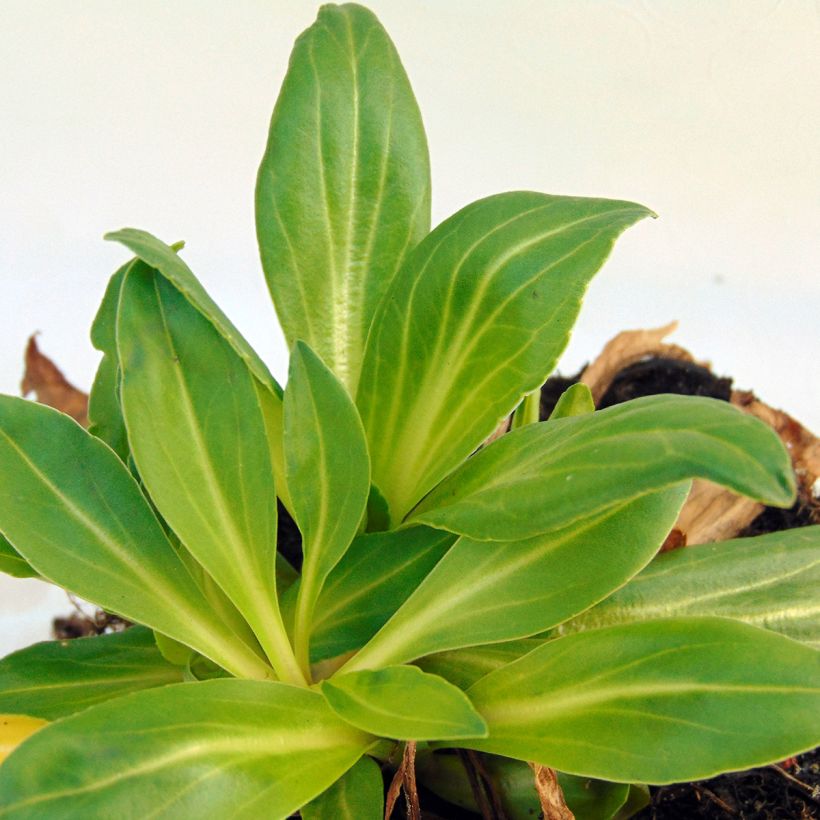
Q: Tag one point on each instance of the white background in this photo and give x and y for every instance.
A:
(154, 115)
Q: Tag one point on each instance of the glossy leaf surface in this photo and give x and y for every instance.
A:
(344, 187)
(475, 319)
(222, 748)
(357, 795)
(576, 467)
(770, 581)
(199, 441)
(78, 516)
(164, 258)
(57, 678)
(376, 576)
(655, 702)
(488, 591)
(328, 474)
(104, 412)
(403, 703)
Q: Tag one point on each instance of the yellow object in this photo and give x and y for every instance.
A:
(14, 729)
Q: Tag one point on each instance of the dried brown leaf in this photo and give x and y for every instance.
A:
(43, 378)
(553, 805)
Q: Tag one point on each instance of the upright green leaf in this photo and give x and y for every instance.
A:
(770, 581)
(12, 563)
(357, 795)
(489, 591)
(221, 748)
(475, 319)
(374, 578)
(403, 703)
(198, 438)
(576, 467)
(328, 473)
(73, 510)
(576, 400)
(344, 187)
(165, 259)
(104, 412)
(655, 702)
(57, 678)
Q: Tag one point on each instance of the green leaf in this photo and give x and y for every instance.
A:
(58, 678)
(374, 578)
(463, 667)
(488, 591)
(164, 258)
(328, 474)
(576, 400)
(356, 795)
(403, 703)
(655, 702)
(73, 510)
(104, 412)
(172, 651)
(221, 748)
(545, 476)
(343, 191)
(528, 412)
(198, 438)
(770, 581)
(12, 563)
(514, 783)
(475, 319)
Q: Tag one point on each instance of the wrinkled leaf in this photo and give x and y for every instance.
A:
(57, 678)
(403, 703)
(199, 442)
(43, 378)
(474, 320)
(356, 795)
(770, 581)
(546, 476)
(344, 187)
(655, 702)
(73, 510)
(488, 591)
(376, 576)
(328, 474)
(221, 748)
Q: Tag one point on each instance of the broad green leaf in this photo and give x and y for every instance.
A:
(576, 400)
(655, 702)
(14, 729)
(490, 591)
(356, 795)
(474, 320)
(463, 667)
(343, 191)
(104, 412)
(12, 563)
(221, 748)
(514, 784)
(328, 473)
(199, 441)
(376, 576)
(73, 510)
(546, 476)
(403, 703)
(164, 258)
(57, 678)
(770, 581)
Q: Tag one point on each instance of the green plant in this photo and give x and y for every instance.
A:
(453, 594)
